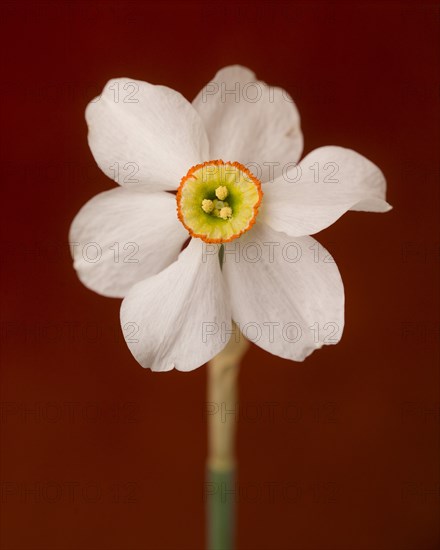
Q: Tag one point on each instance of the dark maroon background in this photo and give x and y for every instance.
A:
(350, 450)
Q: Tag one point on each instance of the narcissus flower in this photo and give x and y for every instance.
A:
(224, 172)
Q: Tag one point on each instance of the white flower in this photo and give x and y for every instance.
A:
(274, 282)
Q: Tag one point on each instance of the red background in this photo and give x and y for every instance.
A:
(99, 454)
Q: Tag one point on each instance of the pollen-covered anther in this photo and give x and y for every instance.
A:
(221, 192)
(225, 212)
(207, 206)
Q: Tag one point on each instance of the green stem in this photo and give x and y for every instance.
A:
(221, 510)
(222, 399)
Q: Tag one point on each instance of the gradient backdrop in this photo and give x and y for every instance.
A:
(337, 453)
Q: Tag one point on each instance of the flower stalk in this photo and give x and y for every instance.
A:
(222, 394)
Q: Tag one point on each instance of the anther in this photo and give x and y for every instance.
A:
(225, 212)
(207, 206)
(221, 192)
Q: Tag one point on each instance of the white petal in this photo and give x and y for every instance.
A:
(141, 133)
(122, 236)
(286, 295)
(250, 122)
(328, 182)
(180, 318)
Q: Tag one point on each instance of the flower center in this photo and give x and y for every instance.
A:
(218, 201)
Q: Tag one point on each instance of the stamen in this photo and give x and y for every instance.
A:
(207, 206)
(225, 212)
(221, 192)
